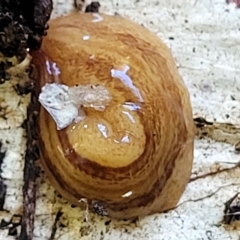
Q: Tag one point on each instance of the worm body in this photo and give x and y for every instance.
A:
(133, 157)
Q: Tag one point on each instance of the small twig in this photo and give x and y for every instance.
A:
(30, 171)
(208, 195)
(3, 187)
(54, 228)
(192, 179)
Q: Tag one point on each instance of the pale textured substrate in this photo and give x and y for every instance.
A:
(204, 37)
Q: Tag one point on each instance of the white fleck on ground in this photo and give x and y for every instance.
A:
(204, 37)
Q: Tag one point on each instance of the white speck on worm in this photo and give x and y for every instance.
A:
(86, 37)
(127, 194)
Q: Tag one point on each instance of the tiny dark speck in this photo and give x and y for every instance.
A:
(107, 222)
(171, 38)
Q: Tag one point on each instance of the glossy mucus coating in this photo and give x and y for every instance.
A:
(135, 157)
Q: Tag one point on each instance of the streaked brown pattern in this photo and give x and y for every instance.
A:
(156, 163)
